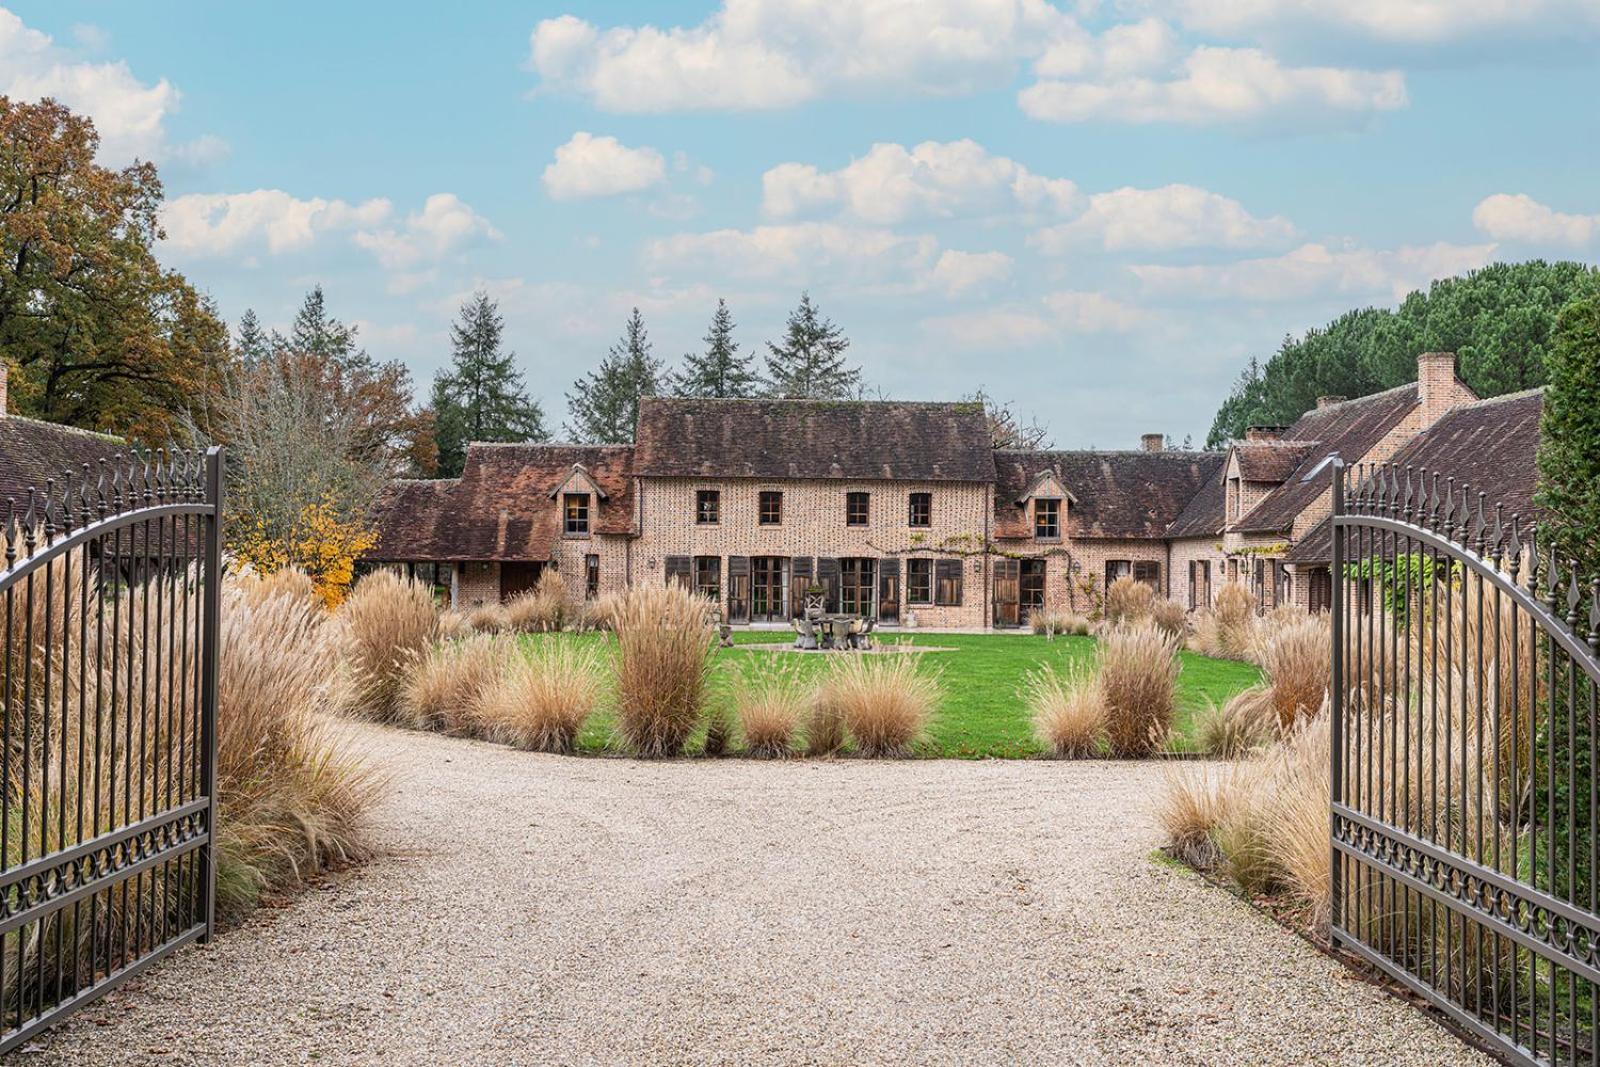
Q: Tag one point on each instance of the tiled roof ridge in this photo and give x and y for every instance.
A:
(547, 444)
(65, 428)
(1179, 453)
(1391, 391)
(818, 401)
(1503, 398)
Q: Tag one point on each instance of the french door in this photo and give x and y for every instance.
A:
(1007, 592)
(856, 586)
(769, 583)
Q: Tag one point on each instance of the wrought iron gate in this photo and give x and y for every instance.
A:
(110, 598)
(1464, 761)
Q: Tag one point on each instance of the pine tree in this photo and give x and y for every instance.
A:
(319, 334)
(1569, 449)
(604, 404)
(721, 371)
(252, 343)
(809, 364)
(481, 396)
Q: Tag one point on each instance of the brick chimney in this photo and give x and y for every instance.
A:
(1152, 442)
(1263, 433)
(1437, 389)
(1329, 401)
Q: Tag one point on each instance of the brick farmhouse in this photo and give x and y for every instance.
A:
(905, 512)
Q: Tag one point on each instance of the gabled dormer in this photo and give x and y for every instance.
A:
(579, 495)
(1045, 502)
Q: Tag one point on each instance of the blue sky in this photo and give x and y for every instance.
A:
(1096, 211)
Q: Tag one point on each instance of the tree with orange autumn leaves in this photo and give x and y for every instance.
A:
(96, 332)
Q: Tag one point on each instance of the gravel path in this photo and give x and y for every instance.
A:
(534, 909)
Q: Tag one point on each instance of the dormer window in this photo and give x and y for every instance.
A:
(576, 507)
(1047, 519)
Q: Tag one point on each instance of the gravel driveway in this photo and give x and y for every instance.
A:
(535, 909)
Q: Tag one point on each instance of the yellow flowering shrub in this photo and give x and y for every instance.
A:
(320, 542)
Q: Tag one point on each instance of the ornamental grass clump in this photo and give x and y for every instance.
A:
(291, 791)
(1243, 723)
(1297, 657)
(545, 608)
(1138, 678)
(825, 734)
(445, 686)
(772, 698)
(541, 700)
(885, 701)
(1058, 624)
(1068, 711)
(1226, 630)
(1128, 600)
(1170, 617)
(387, 623)
(664, 643)
(488, 618)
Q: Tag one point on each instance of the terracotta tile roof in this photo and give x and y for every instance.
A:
(1350, 428)
(1271, 461)
(1118, 494)
(1202, 516)
(407, 514)
(31, 451)
(1491, 444)
(855, 439)
(501, 508)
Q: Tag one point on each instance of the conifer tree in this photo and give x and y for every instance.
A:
(604, 404)
(252, 343)
(1569, 447)
(721, 371)
(809, 363)
(481, 396)
(319, 334)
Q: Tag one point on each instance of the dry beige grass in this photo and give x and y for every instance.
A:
(1068, 711)
(1194, 801)
(665, 645)
(445, 686)
(1058, 623)
(488, 618)
(772, 698)
(291, 792)
(1225, 631)
(544, 609)
(1243, 723)
(825, 735)
(599, 613)
(886, 702)
(453, 625)
(1128, 601)
(1138, 676)
(1296, 654)
(1170, 617)
(387, 622)
(541, 700)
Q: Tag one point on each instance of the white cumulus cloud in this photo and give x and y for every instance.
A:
(590, 166)
(1522, 219)
(129, 114)
(218, 224)
(796, 252)
(1390, 21)
(444, 224)
(1169, 217)
(1315, 271)
(1213, 85)
(957, 272)
(892, 184)
(762, 54)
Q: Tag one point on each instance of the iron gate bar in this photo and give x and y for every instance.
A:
(121, 845)
(1501, 945)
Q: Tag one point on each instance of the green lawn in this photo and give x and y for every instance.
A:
(982, 715)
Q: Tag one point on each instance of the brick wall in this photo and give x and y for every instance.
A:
(476, 583)
(813, 524)
(1191, 549)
